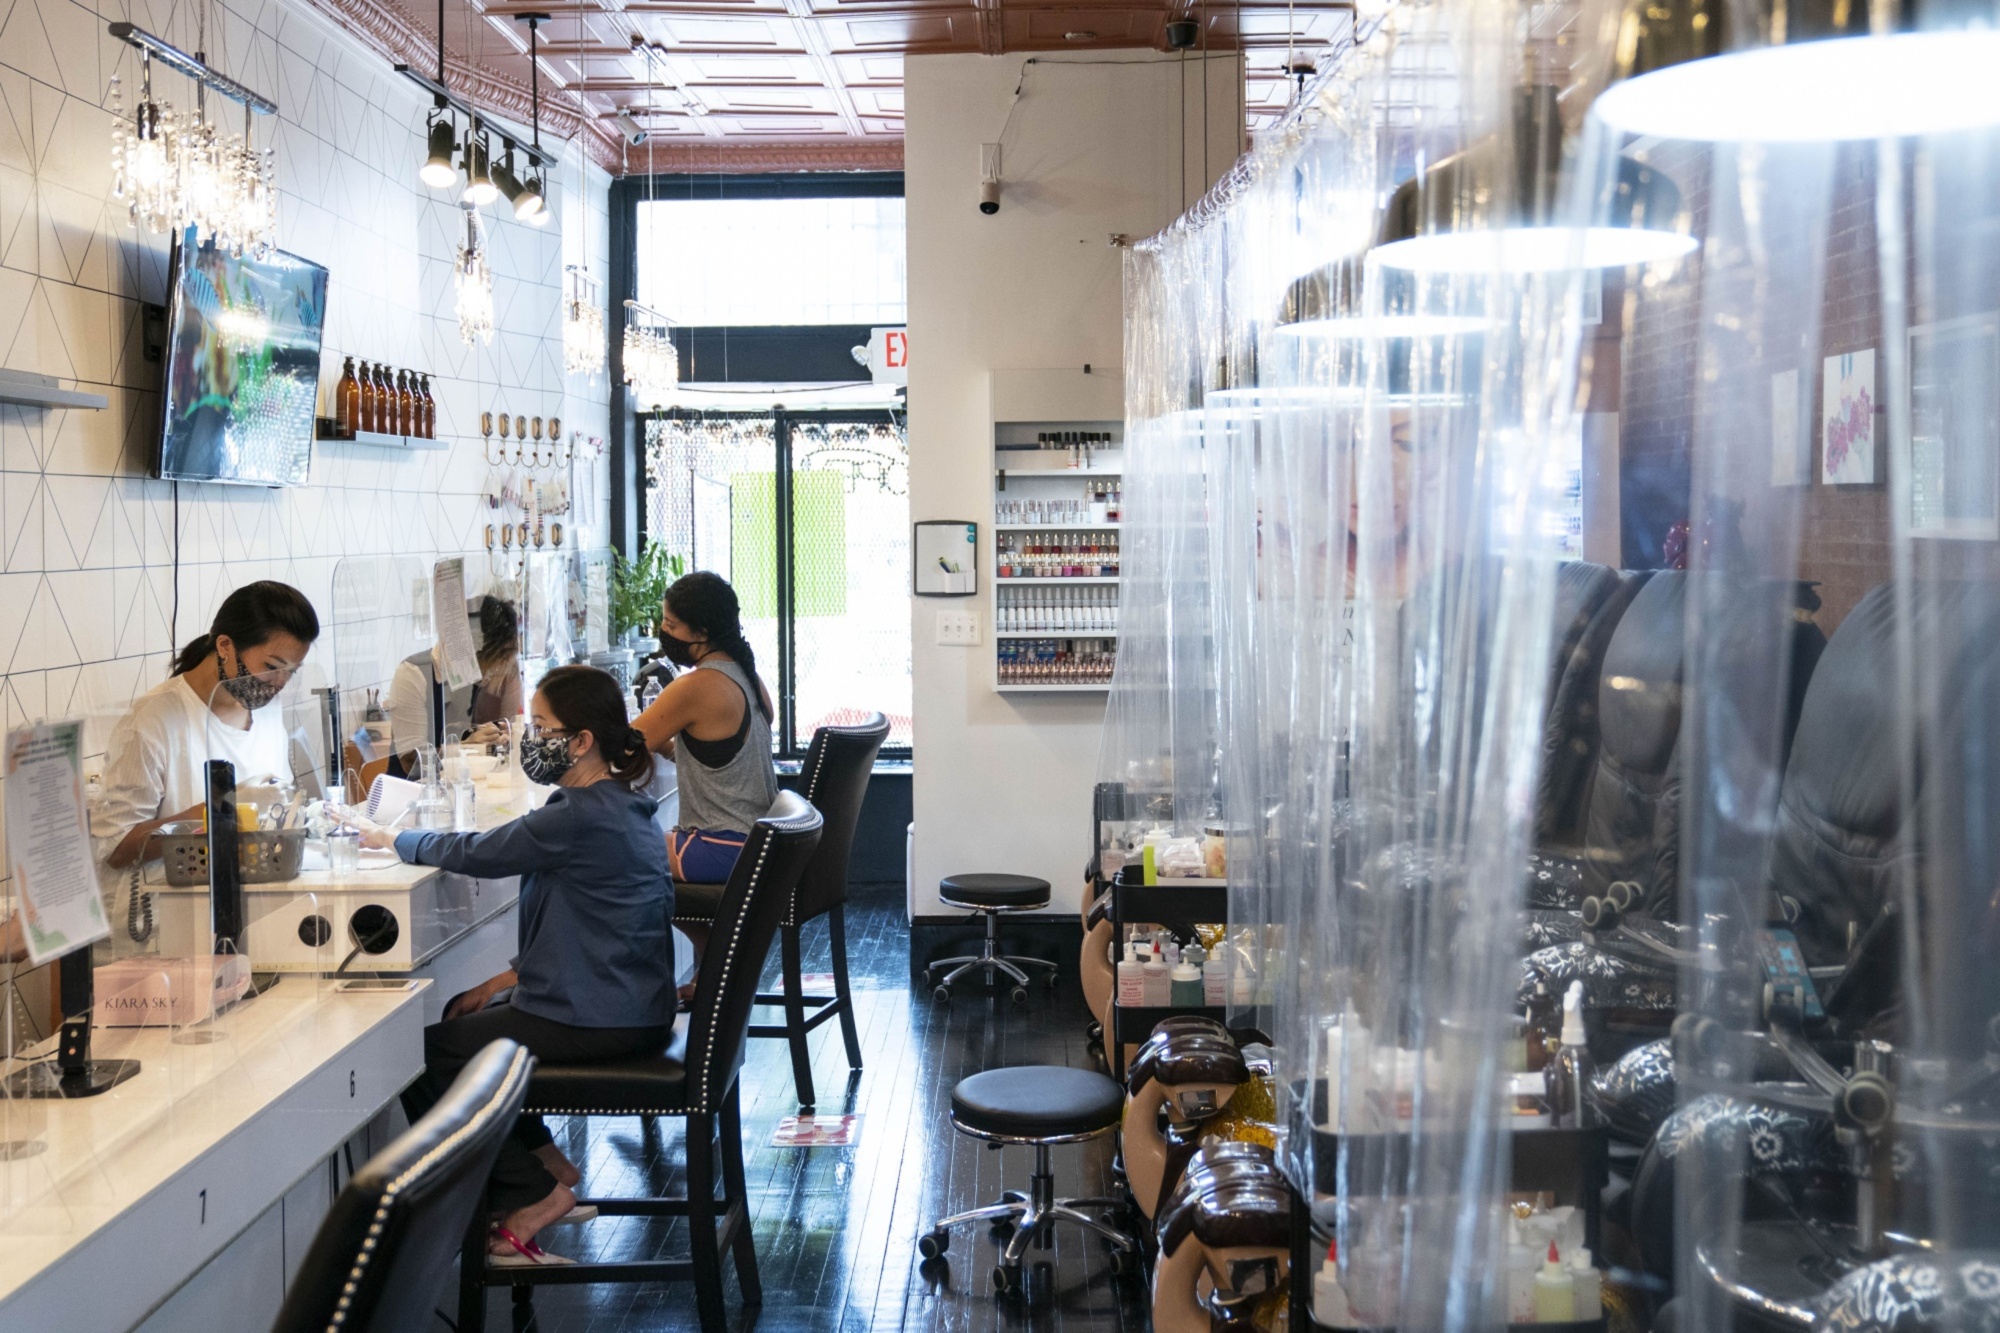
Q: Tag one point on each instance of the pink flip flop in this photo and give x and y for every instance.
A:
(526, 1254)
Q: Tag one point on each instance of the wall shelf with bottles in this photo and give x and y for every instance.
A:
(1057, 492)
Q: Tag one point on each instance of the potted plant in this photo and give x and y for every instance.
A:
(639, 587)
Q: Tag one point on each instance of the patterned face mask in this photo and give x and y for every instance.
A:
(253, 692)
(545, 758)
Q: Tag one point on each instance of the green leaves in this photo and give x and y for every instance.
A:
(638, 587)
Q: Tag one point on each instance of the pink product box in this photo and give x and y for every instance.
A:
(168, 992)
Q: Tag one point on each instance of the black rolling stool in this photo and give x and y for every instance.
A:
(1041, 1106)
(989, 896)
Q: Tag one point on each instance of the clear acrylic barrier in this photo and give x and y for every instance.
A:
(381, 622)
(1379, 447)
(1820, 1127)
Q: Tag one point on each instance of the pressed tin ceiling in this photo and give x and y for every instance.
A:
(788, 85)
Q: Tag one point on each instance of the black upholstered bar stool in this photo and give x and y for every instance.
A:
(1038, 1106)
(989, 896)
(695, 1078)
(834, 777)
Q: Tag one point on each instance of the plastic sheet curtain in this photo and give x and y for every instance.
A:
(1158, 745)
(1829, 1145)
(1380, 446)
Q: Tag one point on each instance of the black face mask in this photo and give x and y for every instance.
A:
(253, 692)
(544, 759)
(678, 651)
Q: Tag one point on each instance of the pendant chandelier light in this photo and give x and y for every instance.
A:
(583, 323)
(178, 173)
(652, 363)
(473, 282)
(584, 349)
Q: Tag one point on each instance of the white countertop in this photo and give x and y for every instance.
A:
(136, 1188)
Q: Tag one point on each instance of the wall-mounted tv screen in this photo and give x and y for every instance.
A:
(242, 367)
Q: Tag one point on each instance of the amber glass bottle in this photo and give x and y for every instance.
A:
(430, 409)
(368, 397)
(385, 395)
(346, 401)
(406, 405)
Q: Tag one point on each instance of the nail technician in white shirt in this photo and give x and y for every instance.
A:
(212, 707)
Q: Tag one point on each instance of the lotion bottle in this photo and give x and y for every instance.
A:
(1185, 985)
(1131, 979)
(1586, 1286)
(1159, 979)
(1554, 1303)
(1215, 979)
(1520, 1278)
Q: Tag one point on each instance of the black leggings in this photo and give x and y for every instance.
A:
(519, 1178)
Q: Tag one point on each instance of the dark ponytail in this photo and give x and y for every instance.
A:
(251, 616)
(705, 601)
(584, 698)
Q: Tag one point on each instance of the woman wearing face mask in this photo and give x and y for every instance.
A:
(593, 978)
(714, 722)
(214, 706)
(470, 714)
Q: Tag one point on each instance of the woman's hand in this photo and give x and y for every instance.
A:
(472, 1001)
(486, 733)
(377, 836)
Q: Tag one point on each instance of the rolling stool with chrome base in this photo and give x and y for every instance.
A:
(989, 896)
(1040, 1106)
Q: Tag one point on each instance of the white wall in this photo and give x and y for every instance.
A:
(87, 540)
(1003, 782)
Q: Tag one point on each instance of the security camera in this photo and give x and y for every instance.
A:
(989, 178)
(634, 132)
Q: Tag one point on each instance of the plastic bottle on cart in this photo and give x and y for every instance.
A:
(1569, 1073)
(1159, 979)
(1186, 989)
(1520, 1277)
(1131, 979)
(1586, 1287)
(1554, 1303)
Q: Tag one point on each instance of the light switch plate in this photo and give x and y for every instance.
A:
(958, 629)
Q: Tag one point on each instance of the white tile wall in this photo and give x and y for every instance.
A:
(87, 541)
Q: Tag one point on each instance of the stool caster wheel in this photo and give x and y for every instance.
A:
(1006, 1280)
(1012, 1196)
(1124, 1263)
(942, 994)
(1095, 1032)
(1019, 994)
(1050, 979)
(1001, 1231)
(933, 1244)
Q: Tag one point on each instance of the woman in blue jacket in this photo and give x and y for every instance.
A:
(594, 977)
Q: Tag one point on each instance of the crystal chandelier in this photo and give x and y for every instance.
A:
(583, 324)
(652, 364)
(176, 172)
(474, 281)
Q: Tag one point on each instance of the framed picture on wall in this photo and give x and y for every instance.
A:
(946, 558)
(1847, 420)
(1954, 415)
(1791, 442)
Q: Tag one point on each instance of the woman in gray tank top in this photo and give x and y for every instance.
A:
(714, 722)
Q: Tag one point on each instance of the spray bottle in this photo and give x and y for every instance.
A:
(1569, 1073)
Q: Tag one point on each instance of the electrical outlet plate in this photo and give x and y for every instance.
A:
(958, 628)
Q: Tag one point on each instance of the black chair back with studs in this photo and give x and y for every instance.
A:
(834, 778)
(694, 1077)
(385, 1250)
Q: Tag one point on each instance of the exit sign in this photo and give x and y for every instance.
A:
(889, 355)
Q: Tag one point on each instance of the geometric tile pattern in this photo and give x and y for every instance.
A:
(87, 539)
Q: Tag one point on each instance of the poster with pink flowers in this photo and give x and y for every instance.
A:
(1847, 420)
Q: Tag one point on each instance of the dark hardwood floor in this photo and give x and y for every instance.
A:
(837, 1228)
